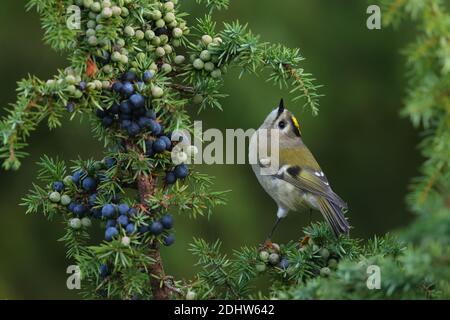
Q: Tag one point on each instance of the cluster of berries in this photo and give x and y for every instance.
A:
(271, 255)
(79, 192)
(132, 113)
(121, 218)
(119, 221)
(331, 260)
(326, 260)
(101, 13)
(83, 204)
(207, 60)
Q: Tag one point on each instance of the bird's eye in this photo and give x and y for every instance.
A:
(282, 124)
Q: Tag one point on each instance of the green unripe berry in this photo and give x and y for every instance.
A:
(276, 247)
(65, 200)
(77, 94)
(123, 51)
(88, 3)
(191, 295)
(108, 69)
(209, 66)
(169, 6)
(141, 56)
(67, 180)
(86, 222)
(154, 67)
(197, 99)
(91, 24)
(90, 32)
(160, 23)
(198, 64)
(176, 42)
(91, 86)
(107, 13)
(264, 256)
(55, 197)
(125, 12)
(211, 47)
(92, 15)
(179, 59)
(71, 79)
(156, 41)
(274, 258)
(116, 11)
(140, 34)
(75, 223)
(325, 272)
(149, 34)
(124, 59)
(173, 24)
(105, 85)
(157, 92)
(332, 263)
(98, 84)
(116, 56)
(325, 254)
(177, 33)
(207, 39)
(96, 7)
(164, 39)
(205, 55)
(129, 31)
(69, 71)
(156, 15)
(168, 49)
(216, 74)
(160, 52)
(261, 267)
(166, 68)
(99, 27)
(106, 3)
(169, 17)
(120, 42)
(92, 41)
(71, 89)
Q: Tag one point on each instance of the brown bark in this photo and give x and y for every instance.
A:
(146, 187)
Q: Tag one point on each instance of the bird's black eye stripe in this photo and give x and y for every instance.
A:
(282, 124)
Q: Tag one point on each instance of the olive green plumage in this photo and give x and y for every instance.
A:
(299, 181)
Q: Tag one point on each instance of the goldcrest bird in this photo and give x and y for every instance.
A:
(298, 182)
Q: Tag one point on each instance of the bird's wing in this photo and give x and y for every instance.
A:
(306, 174)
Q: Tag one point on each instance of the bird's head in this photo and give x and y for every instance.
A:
(283, 120)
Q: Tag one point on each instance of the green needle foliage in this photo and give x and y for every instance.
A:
(179, 67)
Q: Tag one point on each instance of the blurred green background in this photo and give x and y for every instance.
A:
(366, 149)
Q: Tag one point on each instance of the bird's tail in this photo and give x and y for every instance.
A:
(334, 215)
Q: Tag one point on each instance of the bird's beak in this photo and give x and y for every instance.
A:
(281, 107)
